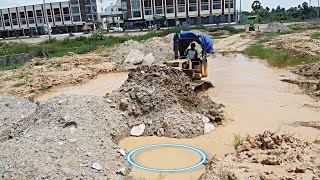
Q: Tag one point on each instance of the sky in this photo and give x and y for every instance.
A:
(246, 4)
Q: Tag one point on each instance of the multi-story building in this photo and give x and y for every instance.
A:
(177, 11)
(65, 16)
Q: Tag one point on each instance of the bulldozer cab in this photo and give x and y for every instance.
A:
(194, 68)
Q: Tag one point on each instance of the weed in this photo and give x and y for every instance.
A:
(276, 153)
(43, 87)
(10, 66)
(279, 58)
(38, 63)
(315, 35)
(22, 83)
(8, 78)
(161, 176)
(318, 167)
(223, 173)
(238, 140)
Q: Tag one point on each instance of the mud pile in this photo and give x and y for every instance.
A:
(75, 137)
(276, 27)
(309, 70)
(163, 99)
(267, 156)
(131, 54)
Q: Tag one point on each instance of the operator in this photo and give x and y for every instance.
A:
(192, 53)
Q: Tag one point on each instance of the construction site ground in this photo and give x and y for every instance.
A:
(83, 109)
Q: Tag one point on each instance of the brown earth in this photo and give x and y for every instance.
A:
(267, 156)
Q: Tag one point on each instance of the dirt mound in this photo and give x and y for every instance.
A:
(163, 98)
(309, 70)
(267, 156)
(15, 115)
(158, 47)
(276, 27)
(74, 137)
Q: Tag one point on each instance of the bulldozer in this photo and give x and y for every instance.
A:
(251, 23)
(197, 68)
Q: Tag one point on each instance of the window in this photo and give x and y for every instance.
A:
(181, 6)
(227, 3)
(74, 1)
(158, 4)
(76, 18)
(75, 10)
(30, 17)
(22, 18)
(216, 4)
(14, 18)
(204, 5)
(147, 9)
(57, 16)
(192, 5)
(94, 9)
(6, 19)
(39, 16)
(135, 8)
(170, 8)
(88, 9)
(66, 14)
(49, 15)
(124, 5)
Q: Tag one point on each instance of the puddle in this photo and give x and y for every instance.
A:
(102, 84)
(255, 100)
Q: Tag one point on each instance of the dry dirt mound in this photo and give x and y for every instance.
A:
(15, 115)
(164, 100)
(159, 48)
(276, 27)
(268, 156)
(309, 70)
(74, 137)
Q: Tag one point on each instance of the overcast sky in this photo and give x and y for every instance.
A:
(246, 4)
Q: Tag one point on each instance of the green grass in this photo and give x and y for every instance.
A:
(38, 63)
(315, 35)
(10, 66)
(238, 140)
(279, 58)
(24, 82)
(318, 167)
(277, 153)
(43, 88)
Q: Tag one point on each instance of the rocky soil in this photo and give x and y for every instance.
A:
(267, 156)
(75, 136)
(276, 27)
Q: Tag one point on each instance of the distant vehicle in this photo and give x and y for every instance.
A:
(116, 28)
(251, 23)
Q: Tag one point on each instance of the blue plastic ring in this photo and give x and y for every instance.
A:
(203, 158)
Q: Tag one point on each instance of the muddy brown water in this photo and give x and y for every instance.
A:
(255, 100)
(102, 84)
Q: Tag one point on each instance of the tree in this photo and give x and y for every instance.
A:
(267, 9)
(256, 6)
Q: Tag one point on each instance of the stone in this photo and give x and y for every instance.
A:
(73, 141)
(96, 166)
(4, 168)
(123, 104)
(134, 57)
(108, 100)
(300, 170)
(271, 161)
(208, 128)
(264, 176)
(205, 119)
(160, 132)
(148, 59)
(122, 171)
(138, 130)
(122, 152)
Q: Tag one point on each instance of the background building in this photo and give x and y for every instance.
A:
(140, 12)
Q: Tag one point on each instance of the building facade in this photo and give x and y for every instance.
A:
(63, 17)
(177, 12)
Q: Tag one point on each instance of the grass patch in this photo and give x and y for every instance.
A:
(22, 83)
(38, 63)
(238, 140)
(318, 167)
(43, 87)
(279, 58)
(10, 66)
(315, 35)
(276, 153)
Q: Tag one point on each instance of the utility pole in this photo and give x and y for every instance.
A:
(240, 13)
(47, 21)
(318, 9)
(229, 16)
